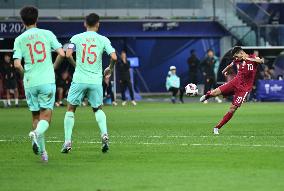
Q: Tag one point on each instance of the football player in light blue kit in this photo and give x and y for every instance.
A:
(88, 76)
(35, 46)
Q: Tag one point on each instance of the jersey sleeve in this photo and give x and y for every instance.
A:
(54, 42)
(17, 50)
(107, 46)
(74, 40)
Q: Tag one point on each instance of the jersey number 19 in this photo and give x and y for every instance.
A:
(39, 49)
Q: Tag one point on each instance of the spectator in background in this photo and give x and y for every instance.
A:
(107, 90)
(124, 76)
(210, 66)
(10, 80)
(193, 65)
(63, 83)
(173, 85)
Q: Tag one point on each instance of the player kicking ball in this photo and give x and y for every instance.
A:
(239, 86)
(87, 78)
(35, 46)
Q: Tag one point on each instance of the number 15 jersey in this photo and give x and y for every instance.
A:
(35, 46)
(90, 47)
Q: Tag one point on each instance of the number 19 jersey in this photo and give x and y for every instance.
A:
(90, 47)
(35, 46)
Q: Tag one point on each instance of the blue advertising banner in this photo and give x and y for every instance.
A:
(66, 29)
(270, 90)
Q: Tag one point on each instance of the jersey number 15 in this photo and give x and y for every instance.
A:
(92, 56)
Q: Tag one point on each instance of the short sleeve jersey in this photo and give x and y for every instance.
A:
(90, 47)
(35, 46)
(246, 74)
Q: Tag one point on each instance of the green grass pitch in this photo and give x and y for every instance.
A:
(154, 146)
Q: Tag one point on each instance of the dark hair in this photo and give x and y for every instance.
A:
(92, 19)
(7, 54)
(210, 50)
(29, 15)
(236, 50)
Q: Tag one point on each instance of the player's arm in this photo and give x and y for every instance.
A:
(17, 56)
(59, 58)
(111, 52)
(256, 59)
(18, 66)
(224, 72)
(113, 61)
(57, 46)
(69, 54)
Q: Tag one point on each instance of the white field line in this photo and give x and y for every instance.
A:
(165, 143)
(168, 136)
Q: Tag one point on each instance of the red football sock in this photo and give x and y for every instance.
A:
(225, 119)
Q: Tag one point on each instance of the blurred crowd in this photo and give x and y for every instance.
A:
(201, 71)
(11, 84)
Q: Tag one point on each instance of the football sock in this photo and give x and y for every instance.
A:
(225, 119)
(69, 121)
(42, 126)
(9, 102)
(41, 143)
(101, 119)
(16, 101)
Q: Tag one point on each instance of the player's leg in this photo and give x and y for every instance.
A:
(225, 89)
(32, 101)
(46, 99)
(35, 119)
(238, 99)
(75, 97)
(69, 121)
(226, 118)
(42, 126)
(95, 95)
(209, 94)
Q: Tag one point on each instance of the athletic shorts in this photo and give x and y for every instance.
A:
(79, 91)
(11, 84)
(239, 95)
(41, 97)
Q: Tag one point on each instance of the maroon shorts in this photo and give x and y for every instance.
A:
(230, 89)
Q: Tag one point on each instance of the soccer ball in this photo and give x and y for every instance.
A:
(191, 90)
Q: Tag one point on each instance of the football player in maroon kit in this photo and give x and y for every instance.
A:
(239, 86)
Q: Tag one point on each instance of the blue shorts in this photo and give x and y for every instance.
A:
(41, 97)
(79, 91)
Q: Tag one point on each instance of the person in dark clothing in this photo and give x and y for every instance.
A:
(63, 83)
(193, 64)
(10, 80)
(124, 75)
(209, 68)
(107, 90)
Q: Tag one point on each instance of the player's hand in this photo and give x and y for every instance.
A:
(107, 72)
